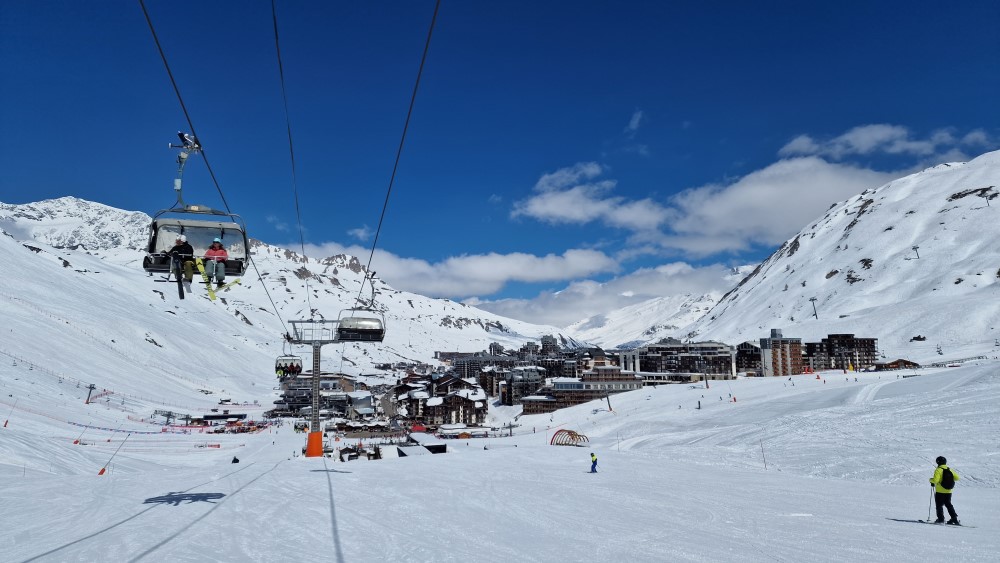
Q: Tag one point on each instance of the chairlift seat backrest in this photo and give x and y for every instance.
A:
(360, 329)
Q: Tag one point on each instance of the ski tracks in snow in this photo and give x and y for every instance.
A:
(144, 528)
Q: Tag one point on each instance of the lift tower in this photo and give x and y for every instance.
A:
(315, 333)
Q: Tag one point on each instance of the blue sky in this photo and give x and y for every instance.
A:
(564, 158)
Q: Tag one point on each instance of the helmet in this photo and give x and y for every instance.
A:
(940, 460)
(217, 239)
(182, 238)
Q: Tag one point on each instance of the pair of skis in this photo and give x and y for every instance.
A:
(959, 525)
(208, 282)
(212, 291)
(931, 523)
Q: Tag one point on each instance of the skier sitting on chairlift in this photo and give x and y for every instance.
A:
(182, 253)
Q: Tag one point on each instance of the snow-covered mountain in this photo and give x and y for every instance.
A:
(91, 254)
(916, 257)
(912, 263)
(652, 319)
(913, 258)
(644, 322)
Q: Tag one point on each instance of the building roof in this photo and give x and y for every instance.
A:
(424, 439)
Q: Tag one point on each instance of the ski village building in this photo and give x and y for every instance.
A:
(780, 356)
(673, 361)
(545, 378)
(598, 383)
(436, 400)
(842, 351)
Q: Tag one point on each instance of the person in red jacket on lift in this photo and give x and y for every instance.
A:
(215, 262)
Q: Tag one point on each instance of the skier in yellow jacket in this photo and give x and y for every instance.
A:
(943, 481)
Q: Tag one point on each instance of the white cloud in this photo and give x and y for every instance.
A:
(978, 137)
(568, 176)
(573, 195)
(362, 233)
(634, 122)
(278, 224)
(639, 149)
(495, 199)
(803, 144)
(480, 274)
(879, 138)
(585, 298)
(763, 207)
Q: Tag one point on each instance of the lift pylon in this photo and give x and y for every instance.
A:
(315, 333)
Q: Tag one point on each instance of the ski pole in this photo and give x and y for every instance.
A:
(929, 501)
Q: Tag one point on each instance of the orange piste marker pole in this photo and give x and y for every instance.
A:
(103, 469)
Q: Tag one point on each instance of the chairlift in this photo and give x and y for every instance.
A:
(288, 365)
(169, 224)
(360, 325)
(198, 223)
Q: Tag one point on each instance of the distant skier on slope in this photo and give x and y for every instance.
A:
(943, 482)
(593, 463)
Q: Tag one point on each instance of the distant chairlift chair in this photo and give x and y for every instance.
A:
(360, 325)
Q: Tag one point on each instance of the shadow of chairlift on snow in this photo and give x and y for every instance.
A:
(177, 498)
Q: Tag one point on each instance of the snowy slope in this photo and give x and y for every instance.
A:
(644, 322)
(859, 263)
(846, 474)
(85, 270)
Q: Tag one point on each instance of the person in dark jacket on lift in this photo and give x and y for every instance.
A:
(943, 481)
(182, 253)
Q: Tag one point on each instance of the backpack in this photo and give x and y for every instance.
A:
(947, 479)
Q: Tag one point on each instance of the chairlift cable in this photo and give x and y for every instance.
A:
(399, 152)
(180, 99)
(204, 157)
(291, 149)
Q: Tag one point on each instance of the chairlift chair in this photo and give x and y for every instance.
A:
(200, 224)
(287, 361)
(360, 325)
(169, 224)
